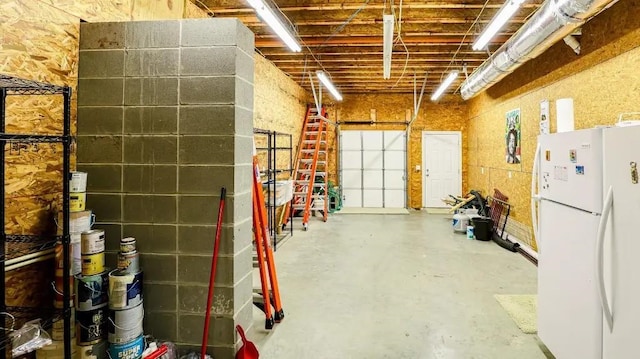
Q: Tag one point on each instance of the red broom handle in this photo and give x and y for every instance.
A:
(212, 276)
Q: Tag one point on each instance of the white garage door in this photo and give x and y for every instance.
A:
(373, 169)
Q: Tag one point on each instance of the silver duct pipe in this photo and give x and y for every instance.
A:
(555, 20)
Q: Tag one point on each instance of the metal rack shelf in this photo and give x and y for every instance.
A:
(18, 86)
(270, 173)
(29, 244)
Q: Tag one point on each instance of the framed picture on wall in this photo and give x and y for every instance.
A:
(512, 136)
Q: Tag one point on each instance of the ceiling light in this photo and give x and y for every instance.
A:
(328, 85)
(445, 84)
(502, 17)
(387, 37)
(276, 25)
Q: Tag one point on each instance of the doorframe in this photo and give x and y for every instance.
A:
(424, 160)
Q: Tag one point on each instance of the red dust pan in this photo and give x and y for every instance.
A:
(248, 350)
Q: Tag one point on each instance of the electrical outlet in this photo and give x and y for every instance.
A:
(509, 174)
(481, 170)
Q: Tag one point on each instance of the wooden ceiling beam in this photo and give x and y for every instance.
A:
(325, 52)
(377, 59)
(407, 34)
(253, 21)
(376, 41)
(211, 4)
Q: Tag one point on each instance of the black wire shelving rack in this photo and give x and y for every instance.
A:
(271, 173)
(22, 245)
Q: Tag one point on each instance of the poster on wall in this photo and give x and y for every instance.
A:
(544, 117)
(512, 136)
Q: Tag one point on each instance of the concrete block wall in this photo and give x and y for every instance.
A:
(165, 119)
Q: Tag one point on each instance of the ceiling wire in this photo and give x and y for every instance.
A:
(462, 41)
(399, 39)
(344, 24)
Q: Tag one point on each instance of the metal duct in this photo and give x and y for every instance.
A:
(551, 23)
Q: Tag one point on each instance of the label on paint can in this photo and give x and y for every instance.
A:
(127, 245)
(78, 182)
(129, 262)
(93, 241)
(92, 325)
(78, 221)
(77, 201)
(91, 291)
(125, 290)
(93, 264)
(125, 325)
(131, 350)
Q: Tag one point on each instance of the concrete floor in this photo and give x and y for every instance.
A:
(395, 286)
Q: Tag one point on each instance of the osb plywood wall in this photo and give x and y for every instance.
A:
(280, 104)
(449, 114)
(603, 82)
(39, 41)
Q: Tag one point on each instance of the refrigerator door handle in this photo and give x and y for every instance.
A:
(602, 227)
(534, 196)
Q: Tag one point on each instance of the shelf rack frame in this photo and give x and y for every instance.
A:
(10, 85)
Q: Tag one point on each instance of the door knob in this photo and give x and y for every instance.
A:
(427, 173)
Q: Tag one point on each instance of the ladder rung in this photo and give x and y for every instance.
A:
(313, 124)
(307, 182)
(310, 160)
(314, 141)
(311, 151)
(319, 173)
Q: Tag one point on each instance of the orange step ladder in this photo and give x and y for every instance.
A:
(270, 290)
(310, 176)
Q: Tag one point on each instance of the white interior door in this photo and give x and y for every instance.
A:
(442, 167)
(373, 168)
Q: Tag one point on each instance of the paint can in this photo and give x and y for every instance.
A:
(125, 325)
(78, 221)
(92, 241)
(125, 289)
(78, 182)
(75, 266)
(58, 286)
(127, 245)
(57, 329)
(55, 350)
(129, 262)
(77, 201)
(130, 350)
(92, 325)
(95, 351)
(91, 291)
(93, 264)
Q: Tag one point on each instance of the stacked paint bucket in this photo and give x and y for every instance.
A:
(80, 221)
(125, 302)
(91, 297)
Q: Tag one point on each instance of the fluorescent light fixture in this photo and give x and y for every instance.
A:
(387, 47)
(329, 86)
(276, 25)
(502, 17)
(445, 84)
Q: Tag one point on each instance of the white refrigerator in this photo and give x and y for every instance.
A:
(588, 237)
(570, 177)
(617, 262)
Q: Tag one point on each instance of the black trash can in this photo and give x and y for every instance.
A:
(482, 228)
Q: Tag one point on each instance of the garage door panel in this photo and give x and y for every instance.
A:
(352, 160)
(372, 198)
(352, 198)
(394, 160)
(372, 160)
(372, 179)
(394, 198)
(394, 140)
(352, 179)
(394, 179)
(350, 140)
(372, 140)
